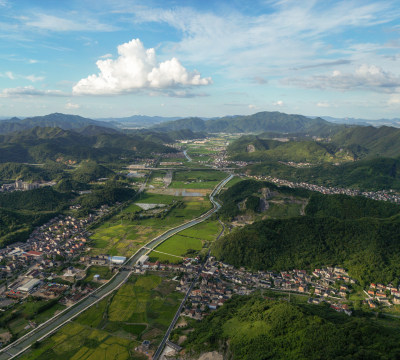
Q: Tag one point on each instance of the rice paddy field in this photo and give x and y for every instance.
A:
(187, 243)
(130, 229)
(141, 309)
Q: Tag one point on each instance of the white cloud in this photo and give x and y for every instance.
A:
(294, 32)
(29, 91)
(394, 100)
(278, 103)
(106, 56)
(9, 75)
(364, 77)
(32, 61)
(70, 106)
(137, 68)
(251, 106)
(34, 78)
(55, 23)
(323, 104)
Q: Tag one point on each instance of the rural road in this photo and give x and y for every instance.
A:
(42, 331)
(187, 156)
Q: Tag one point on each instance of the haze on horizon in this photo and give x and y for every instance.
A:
(119, 58)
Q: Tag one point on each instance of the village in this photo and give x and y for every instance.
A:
(20, 185)
(218, 282)
(384, 195)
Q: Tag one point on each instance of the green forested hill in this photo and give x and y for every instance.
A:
(43, 143)
(63, 121)
(347, 207)
(368, 247)
(253, 148)
(356, 232)
(371, 141)
(250, 191)
(254, 328)
(374, 174)
(90, 171)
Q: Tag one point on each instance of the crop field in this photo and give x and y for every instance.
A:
(17, 319)
(126, 231)
(186, 243)
(141, 309)
(156, 178)
(196, 179)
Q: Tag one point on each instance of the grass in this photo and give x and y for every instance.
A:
(141, 309)
(233, 181)
(196, 179)
(190, 240)
(104, 272)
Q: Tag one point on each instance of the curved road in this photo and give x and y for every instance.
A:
(187, 156)
(50, 326)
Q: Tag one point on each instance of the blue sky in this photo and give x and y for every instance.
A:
(200, 58)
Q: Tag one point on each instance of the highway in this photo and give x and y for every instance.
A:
(50, 326)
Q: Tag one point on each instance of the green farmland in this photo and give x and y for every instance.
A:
(196, 179)
(187, 243)
(130, 229)
(141, 309)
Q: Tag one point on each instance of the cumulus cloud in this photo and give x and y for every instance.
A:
(29, 91)
(278, 103)
(364, 77)
(137, 68)
(71, 105)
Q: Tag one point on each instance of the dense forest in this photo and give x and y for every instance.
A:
(368, 247)
(255, 328)
(356, 232)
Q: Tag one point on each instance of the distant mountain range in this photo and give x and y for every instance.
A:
(138, 121)
(260, 122)
(62, 121)
(356, 121)
(143, 121)
(93, 142)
